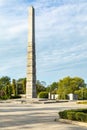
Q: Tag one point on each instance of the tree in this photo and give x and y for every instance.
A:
(21, 84)
(77, 83)
(82, 93)
(24, 85)
(52, 88)
(69, 85)
(5, 87)
(4, 81)
(43, 95)
(8, 91)
(14, 87)
(40, 86)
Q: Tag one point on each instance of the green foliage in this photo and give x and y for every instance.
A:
(4, 81)
(82, 93)
(63, 87)
(21, 86)
(80, 116)
(43, 95)
(24, 85)
(71, 115)
(62, 96)
(48, 89)
(63, 114)
(14, 85)
(40, 86)
(52, 88)
(76, 114)
(5, 87)
(69, 85)
(8, 91)
(11, 90)
(3, 94)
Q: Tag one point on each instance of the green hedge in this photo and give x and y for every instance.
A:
(77, 114)
(43, 95)
(80, 116)
(71, 115)
(4, 97)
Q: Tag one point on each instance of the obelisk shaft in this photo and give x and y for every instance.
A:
(31, 58)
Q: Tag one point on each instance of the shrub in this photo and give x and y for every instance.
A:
(80, 110)
(4, 97)
(80, 116)
(43, 95)
(76, 114)
(63, 114)
(71, 115)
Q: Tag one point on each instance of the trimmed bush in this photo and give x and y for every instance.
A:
(43, 95)
(63, 114)
(84, 110)
(80, 116)
(71, 115)
(75, 114)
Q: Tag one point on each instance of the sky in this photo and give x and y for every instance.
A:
(60, 38)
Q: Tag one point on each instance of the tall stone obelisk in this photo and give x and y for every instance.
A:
(31, 57)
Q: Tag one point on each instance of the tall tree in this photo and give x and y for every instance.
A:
(5, 87)
(21, 84)
(24, 85)
(40, 86)
(82, 93)
(69, 85)
(14, 87)
(4, 81)
(52, 88)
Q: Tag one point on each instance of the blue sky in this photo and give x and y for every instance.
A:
(61, 38)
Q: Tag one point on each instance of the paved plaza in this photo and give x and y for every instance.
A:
(28, 116)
